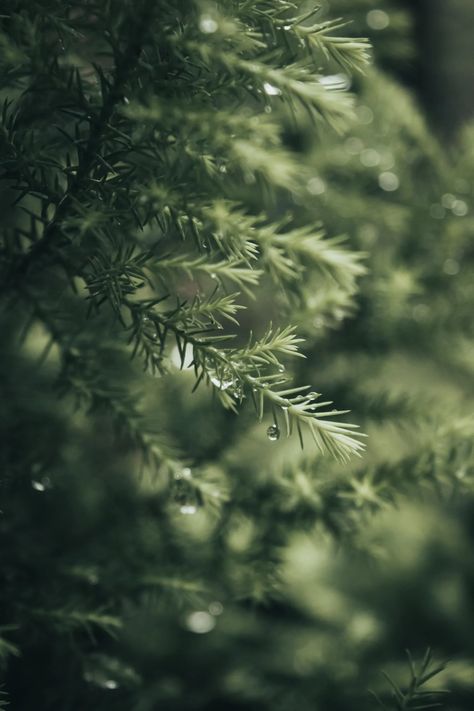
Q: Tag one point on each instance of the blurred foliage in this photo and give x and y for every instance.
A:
(257, 575)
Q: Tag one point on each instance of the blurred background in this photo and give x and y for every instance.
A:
(338, 569)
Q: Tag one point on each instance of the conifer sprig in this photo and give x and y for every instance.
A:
(416, 696)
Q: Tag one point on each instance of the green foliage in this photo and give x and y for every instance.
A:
(163, 248)
(132, 205)
(416, 696)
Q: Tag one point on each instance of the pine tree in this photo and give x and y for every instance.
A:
(164, 548)
(137, 139)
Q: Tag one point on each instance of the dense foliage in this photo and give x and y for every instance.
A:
(185, 523)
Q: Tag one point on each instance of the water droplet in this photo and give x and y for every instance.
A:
(448, 200)
(365, 114)
(281, 368)
(271, 90)
(273, 433)
(336, 81)
(451, 267)
(216, 608)
(208, 25)
(200, 622)
(41, 485)
(188, 509)
(268, 109)
(185, 473)
(110, 684)
(126, 100)
(316, 186)
(223, 381)
(377, 19)
(369, 157)
(389, 181)
(287, 27)
(460, 208)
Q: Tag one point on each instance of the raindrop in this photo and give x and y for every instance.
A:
(389, 181)
(268, 109)
(223, 382)
(370, 157)
(451, 267)
(185, 473)
(336, 81)
(188, 509)
(271, 90)
(110, 684)
(273, 433)
(448, 200)
(208, 25)
(460, 208)
(41, 485)
(216, 608)
(200, 622)
(364, 114)
(377, 19)
(316, 186)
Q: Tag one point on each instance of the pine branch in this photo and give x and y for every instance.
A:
(415, 696)
(112, 94)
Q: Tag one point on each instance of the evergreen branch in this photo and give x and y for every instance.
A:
(70, 619)
(251, 370)
(112, 93)
(234, 271)
(294, 82)
(415, 696)
(351, 54)
(7, 648)
(288, 253)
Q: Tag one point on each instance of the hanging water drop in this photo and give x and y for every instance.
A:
(42, 484)
(200, 622)
(271, 90)
(216, 608)
(185, 473)
(224, 381)
(188, 509)
(273, 433)
(208, 25)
